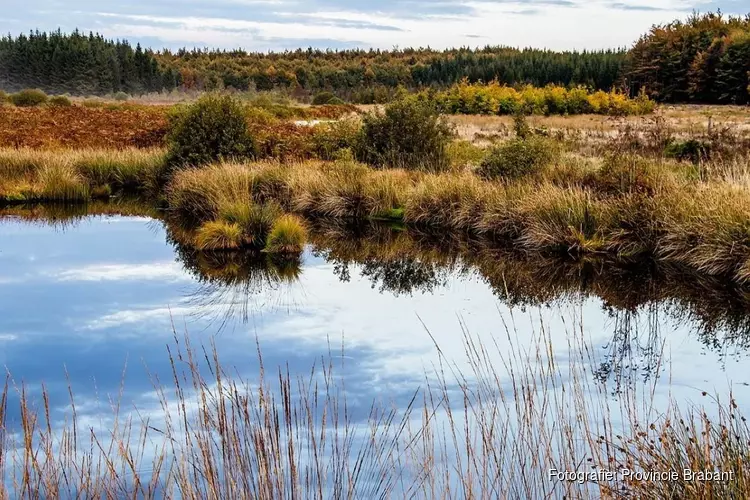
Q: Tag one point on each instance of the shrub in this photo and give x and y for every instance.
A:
(517, 158)
(3, 97)
(213, 129)
(29, 97)
(693, 150)
(60, 101)
(324, 97)
(521, 126)
(288, 236)
(330, 138)
(495, 98)
(121, 96)
(409, 134)
(218, 235)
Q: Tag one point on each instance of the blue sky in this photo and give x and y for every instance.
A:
(287, 24)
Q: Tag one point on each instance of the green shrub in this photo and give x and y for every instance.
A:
(29, 97)
(210, 130)
(60, 101)
(330, 138)
(121, 96)
(324, 97)
(288, 236)
(3, 97)
(93, 103)
(693, 150)
(410, 134)
(517, 158)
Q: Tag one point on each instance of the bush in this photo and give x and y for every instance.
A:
(60, 101)
(213, 129)
(3, 97)
(121, 96)
(517, 158)
(410, 134)
(330, 138)
(693, 150)
(288, 236)
(324, 98)
(521, 126)
(29, 97)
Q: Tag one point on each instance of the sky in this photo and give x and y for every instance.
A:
(263, 25)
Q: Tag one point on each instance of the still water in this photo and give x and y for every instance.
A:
(94, 304)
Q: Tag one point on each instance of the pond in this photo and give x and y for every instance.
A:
(93, 302)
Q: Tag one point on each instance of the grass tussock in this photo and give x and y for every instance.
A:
(288, 236)
(31, 175)
(60, 182)
(218, 235)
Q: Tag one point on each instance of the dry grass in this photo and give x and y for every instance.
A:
(117, 127)
(29, 175)
(492, 430)
(683, 120)
(218, 235)
(288, 236)
(630, 207)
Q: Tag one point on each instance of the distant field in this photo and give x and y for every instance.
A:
(106, 124)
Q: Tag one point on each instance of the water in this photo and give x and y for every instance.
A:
(94, 303)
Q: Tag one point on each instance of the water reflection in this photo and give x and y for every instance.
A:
(641, 306)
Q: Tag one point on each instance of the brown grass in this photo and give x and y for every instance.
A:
(631, 208)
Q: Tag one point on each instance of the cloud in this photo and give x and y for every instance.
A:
(162, 271)
(147, 317)
(262, 25)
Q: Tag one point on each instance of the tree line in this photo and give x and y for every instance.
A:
(76, 63)
(705, 58)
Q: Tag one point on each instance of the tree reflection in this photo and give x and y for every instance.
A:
(638, 296)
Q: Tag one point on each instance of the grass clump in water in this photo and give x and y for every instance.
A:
(288, 236)
(219, 235)
(255, 220)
